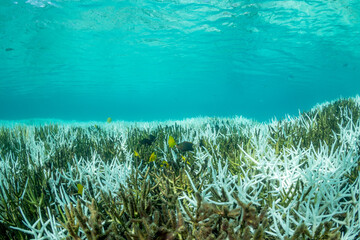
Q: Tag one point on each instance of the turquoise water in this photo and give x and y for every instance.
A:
(158, 60)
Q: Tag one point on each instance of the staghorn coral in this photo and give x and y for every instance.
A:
(296, 178)
(92, 227)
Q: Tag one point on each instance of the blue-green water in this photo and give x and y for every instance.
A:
(156, 60)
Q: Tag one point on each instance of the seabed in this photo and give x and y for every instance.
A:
(200, 178)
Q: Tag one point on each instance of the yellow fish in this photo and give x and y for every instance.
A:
(80, 189)
(184, 158)
(152, 157)
(136, 154)
(109, 120)
(171, 142)
(165, 164)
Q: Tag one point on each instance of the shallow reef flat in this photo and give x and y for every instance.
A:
(201, 178)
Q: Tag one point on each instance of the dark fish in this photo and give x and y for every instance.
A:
(148, 141)
(202, 143)
(152, 137)
(9, 49)
(185, 146)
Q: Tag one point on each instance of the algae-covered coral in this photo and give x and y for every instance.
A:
(297, 178)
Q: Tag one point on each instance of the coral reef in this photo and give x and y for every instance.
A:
(227, 178)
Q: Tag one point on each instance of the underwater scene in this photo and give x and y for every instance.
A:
(179, 120)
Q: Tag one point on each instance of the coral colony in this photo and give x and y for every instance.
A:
(202, 178)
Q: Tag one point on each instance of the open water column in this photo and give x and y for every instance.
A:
(179, 119)
(159, 60)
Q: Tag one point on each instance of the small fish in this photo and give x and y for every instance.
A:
(148, 141)
(152, 157)
(184, 158)
(94, 128)
(185, 146)
(136, 154)
(165, 164)
(152, 137)
(171, 142)
(80, 189)
(202, 143)
(109, 120)
(9, 49)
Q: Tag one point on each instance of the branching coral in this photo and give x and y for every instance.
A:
(297, 178)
